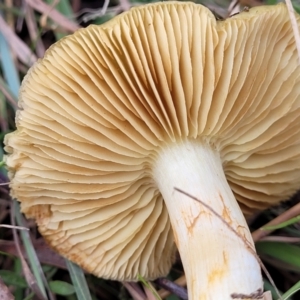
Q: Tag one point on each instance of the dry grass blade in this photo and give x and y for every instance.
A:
(79, 281)
(149, 293)
(281, 239)
(33, 31)
(26, 270)
(234, 7)
(5, 293)
(21, 50)
(57, 17)
(294, 25)
(289, 214)
(173, 287)
(9, 16)
(135, 291)
(8, 94)
(13, 227)
(40, 282)
(97, 13)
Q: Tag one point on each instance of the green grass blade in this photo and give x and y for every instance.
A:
(31, 254)
(296, 6)
(11, 278)
(65, 8)
(287, 253)
(294, 289)
(18, 291)
(29, 297)
(61, 288)
(292, 232)
(79, 281)
(283, 224)
(149, 286)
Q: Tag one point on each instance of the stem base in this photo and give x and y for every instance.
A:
(217, 263)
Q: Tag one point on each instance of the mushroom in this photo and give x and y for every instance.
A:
(114, 117)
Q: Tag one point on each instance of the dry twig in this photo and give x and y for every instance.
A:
(289, 214)
(56, 16)
(134, 290)
(22, 51)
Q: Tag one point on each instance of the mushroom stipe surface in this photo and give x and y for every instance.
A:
(115, 116)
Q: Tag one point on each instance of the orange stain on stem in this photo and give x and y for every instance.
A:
(219, 273)
(193, 222)
(225, 212)
(190, 220)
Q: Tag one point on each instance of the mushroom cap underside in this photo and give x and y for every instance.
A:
(95, 111)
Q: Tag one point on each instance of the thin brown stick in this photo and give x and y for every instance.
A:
(149, 292)
(13, 227)
(134, 290)
(281, 239)
(287, 215)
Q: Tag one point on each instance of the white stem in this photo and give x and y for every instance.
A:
(217, 262)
